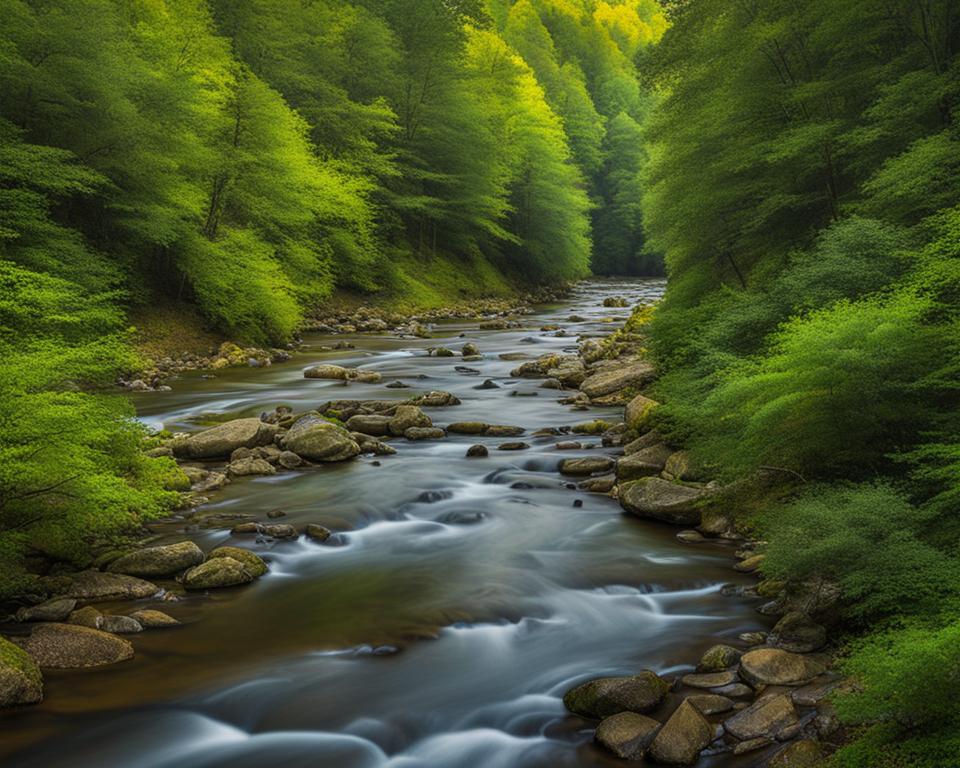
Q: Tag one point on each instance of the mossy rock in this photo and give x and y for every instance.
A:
(595, 427)
(254, 564)
(20, 678)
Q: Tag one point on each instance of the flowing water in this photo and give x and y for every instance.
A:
(465, 597)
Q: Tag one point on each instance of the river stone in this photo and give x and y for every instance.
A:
(618, 377)
(767, 716)
(435, 399)
(470, 350)
(317, 532)
(710, 679)
(152, 619)
(513, 446)
(680, 466)
(120, 625)
(774, 666)
(627, 734)
(159, 561)
(327, 371)
(56, 609)
(662, 500)
(408, 416)
(95, 586)
(250, 466)
(735, 691)
(607, 696)
(318, 440)
(751, 745)
(223, 439)
(587, 465)
(805, 753)
(280, 531)
(424, 433)
(638, 412)
(718, 658)
(682, 737)
(20, 678)
(690, 536)
(477, 452)
(600, 484)
(88, 616)
(750, 564)
(217, 572)
(710, 703)
(214, 481)
(468, 427)
(289, 460)
(503, 430)
(644, 463)
(376, 425)
(254, 564)
(799, 633)
(69, 646)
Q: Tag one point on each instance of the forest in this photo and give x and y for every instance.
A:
(792, 167)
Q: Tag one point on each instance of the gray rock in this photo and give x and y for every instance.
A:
(710, 703)
(587, 465)
(627, 734)
(69, 646)
(20, 678)
(152, 619)
(408, 416)
(599, 484)
(646, 462)
(213, 481)
(56, 609)
(638, 412)
(250, 466)
(607, 696)
(773, 666)
(662, 500)
(289, 460)
(314, 438)
(614, 379)
(223, 439)
(717, 658)
(766, 717)
(682, 737)
(216, 573)
(120, 625)
(735, 691)
(710, 679)
(279, 531)
(424, 433)
(159, 561)
(376, 425)
(88, 616)
(799, 633)
(94, 586)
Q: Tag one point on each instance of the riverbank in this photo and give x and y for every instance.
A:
(600, 375)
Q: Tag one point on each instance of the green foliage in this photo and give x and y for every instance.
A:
(868, 539)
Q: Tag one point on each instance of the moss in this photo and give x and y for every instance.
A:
(15, 657)
(595, 427)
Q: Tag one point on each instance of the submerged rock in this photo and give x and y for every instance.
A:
(627, 734)
(607, 696)
(20, 678)
(682, 737)
(159, 561)
(69, 646)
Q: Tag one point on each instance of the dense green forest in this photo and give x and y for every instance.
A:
(249, 159)
(804, 184)
(797, 164)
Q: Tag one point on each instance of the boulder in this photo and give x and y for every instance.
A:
(616, 378)
(151, 619)
(607, 696)
(680, 466)
(587, 465)
(662, 500)
(627, 734)
(638, 412)
(250, 466)
(319, 440)
(644, 463)
(254, 564)
(710, 703)
(470, 350)
(682, 737)
(710, 679)
(88, 616)
(774, 666)
(216, 573)
(805, 753)
(222, 440)
(159, 561)
(69, 646)
(767, 716)
(477, 452)
(94, 586)
(20, 678)
(56, 609)
(376, 425)
(796, 632)
(120, 625)
(289, 460)
(408, 416)
(424, 433)
(718, 658)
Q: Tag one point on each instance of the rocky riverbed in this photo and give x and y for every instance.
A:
(458, 547)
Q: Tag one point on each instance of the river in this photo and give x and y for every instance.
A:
(462, 599)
